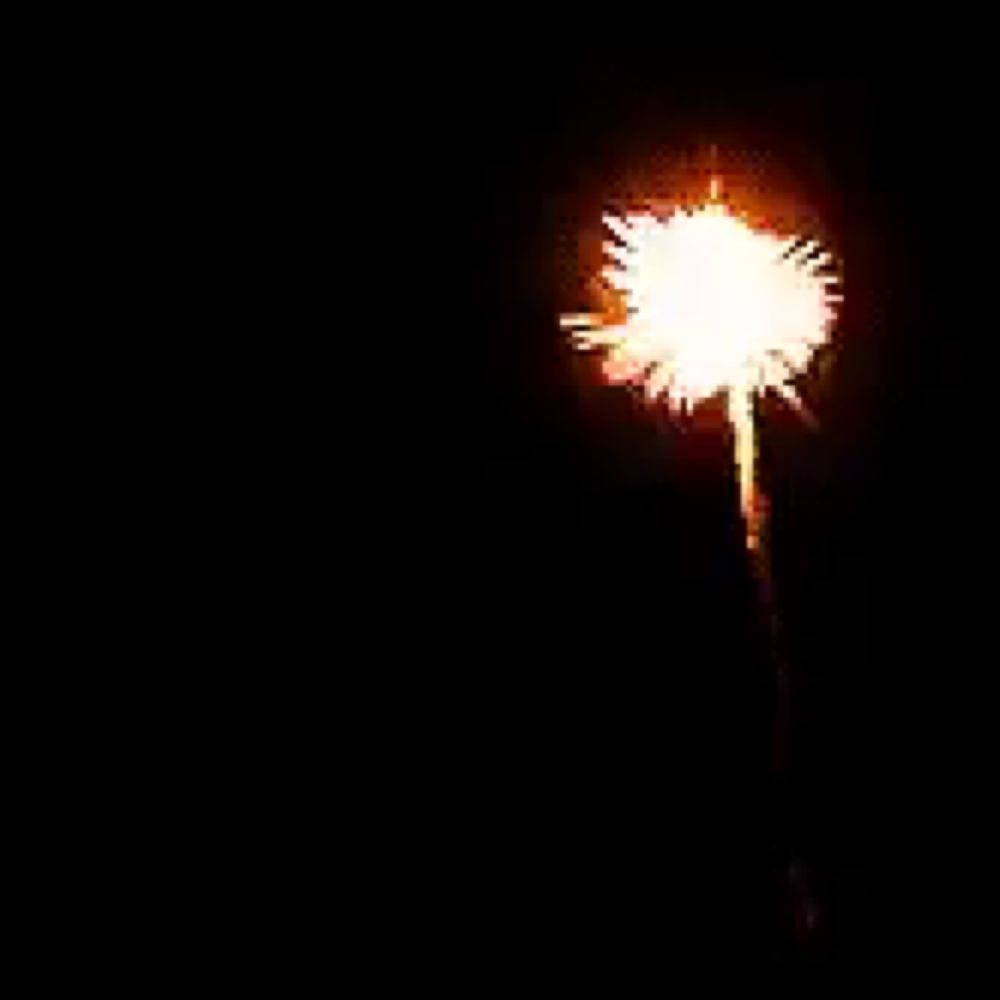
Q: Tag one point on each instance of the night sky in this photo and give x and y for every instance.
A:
(596, 693)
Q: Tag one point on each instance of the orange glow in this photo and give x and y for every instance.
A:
(711, 306)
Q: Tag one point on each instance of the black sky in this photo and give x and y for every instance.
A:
(601, 695)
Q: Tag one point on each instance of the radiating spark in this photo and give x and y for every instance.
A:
(711, 305)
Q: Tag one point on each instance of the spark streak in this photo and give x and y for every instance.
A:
(711, 306)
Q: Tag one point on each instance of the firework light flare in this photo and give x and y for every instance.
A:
(702, 305)
(708, 305)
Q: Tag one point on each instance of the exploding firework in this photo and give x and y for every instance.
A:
(709, 305)
(704, 305)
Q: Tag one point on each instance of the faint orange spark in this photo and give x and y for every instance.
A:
(711, 306)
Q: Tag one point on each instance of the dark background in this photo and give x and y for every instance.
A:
(596, 803)
(564, 703)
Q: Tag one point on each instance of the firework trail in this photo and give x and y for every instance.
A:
(711, 306)
(703, 306)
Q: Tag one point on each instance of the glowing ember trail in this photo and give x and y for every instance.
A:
(710, 306)
(702, 304)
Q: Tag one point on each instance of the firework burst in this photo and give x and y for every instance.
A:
(711, 306)
(704, 305)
